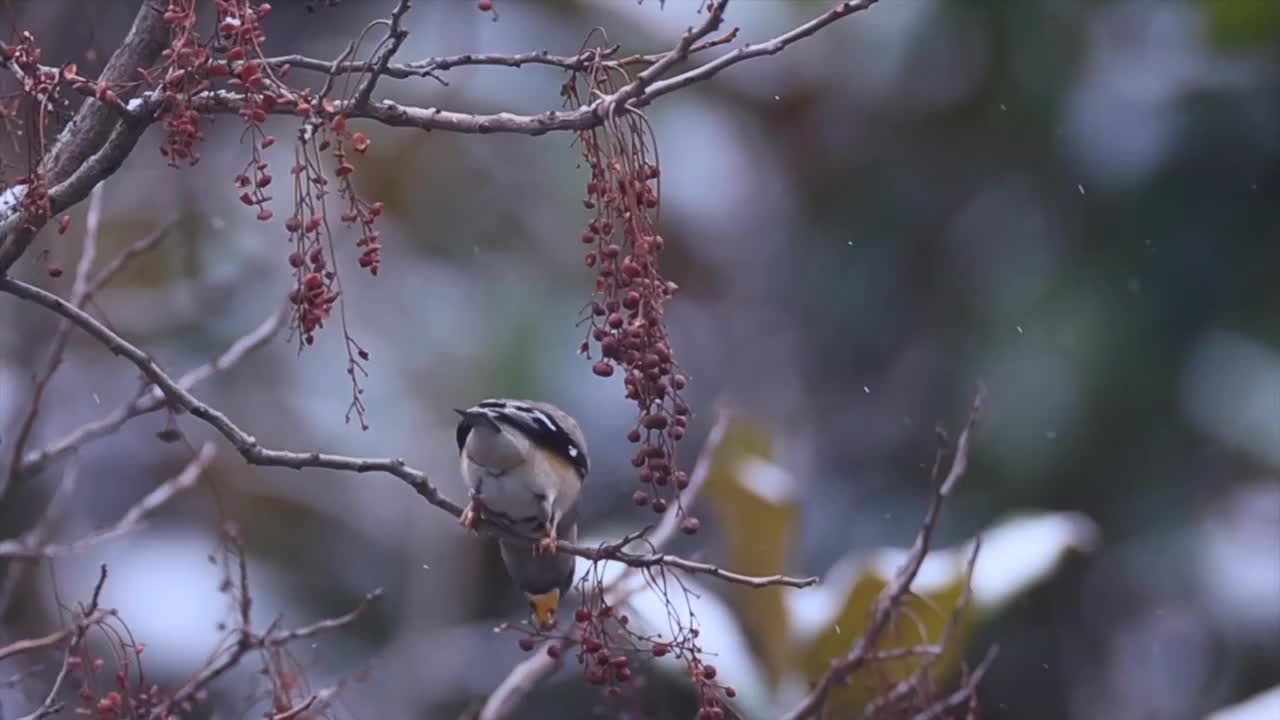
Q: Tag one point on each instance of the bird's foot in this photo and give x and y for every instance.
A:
(547, 544)
(471, 515)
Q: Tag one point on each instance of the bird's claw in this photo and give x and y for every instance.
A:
(546, 545)
(471, 516)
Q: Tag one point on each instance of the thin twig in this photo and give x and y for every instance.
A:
(133, 518)
(89, 615)
(53, 639)
(893, 594)
(964, 694)
(151, 399)
(246, 642)
(81, 291)
(429, 66)
(395, 37)
(283, 637)
(919, 677)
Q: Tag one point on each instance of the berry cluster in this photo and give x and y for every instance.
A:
(626, 315)
(609, 647)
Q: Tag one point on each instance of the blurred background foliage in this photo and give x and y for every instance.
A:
(1074, 202)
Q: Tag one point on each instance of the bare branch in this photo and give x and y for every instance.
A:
(247, 641)
(134, 517)
(428, 67)
(395, 37)
(151, 399)
(51, 706)
(53, 639)
(81, 291)
(253, 453)
(640, 92)
(769, 47)
(537, 668)
(142, 245)
(964, 694)
(284, 637)
(88, 616)
(920, 675)
(891, 597)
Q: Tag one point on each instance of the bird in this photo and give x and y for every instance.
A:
(524, 463)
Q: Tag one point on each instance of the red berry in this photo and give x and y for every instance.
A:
(690, 526)
(601, 368)
(709, 671)
(526, 644)
(582, 615)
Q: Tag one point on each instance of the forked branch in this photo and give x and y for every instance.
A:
(890, 599)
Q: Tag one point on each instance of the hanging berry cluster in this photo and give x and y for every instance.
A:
(317, 285)
(42, 87)
(235, 60)
(609, 648)
(625, 317)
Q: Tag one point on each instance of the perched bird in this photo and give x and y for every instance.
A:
(524, 462)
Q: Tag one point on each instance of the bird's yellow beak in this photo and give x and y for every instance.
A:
(544, 607)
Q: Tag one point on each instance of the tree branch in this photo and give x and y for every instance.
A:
(390, 44)
(428, 67)
(100, 159)
(891, 597)
(181, 399)
(246, 642)
(151, 398)
(94, 144)
(964, 695)
(81, 291)
(134, 517)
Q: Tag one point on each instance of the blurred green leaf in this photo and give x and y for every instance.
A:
(1242, 23)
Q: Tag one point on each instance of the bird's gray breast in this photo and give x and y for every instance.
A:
(507, 492)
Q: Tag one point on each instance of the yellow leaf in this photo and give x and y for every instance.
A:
(752, 498)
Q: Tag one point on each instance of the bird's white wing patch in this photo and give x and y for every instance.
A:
(543, 417)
